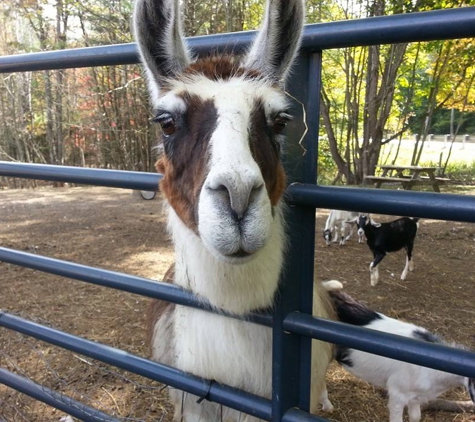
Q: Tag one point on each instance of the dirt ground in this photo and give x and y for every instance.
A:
(117, 230)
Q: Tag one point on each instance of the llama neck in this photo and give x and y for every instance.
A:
(235, 288)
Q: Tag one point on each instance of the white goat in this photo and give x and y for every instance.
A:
(407, 384)
(342, 219)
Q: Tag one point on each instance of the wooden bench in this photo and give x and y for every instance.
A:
(441, 180)
(406, 182)
(379, 180)
(408, 176)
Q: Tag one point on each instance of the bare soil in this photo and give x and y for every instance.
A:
(117, 230)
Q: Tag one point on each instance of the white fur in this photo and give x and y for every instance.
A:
(237, 288)
(407, 384)
(332, 285)
(342, 218)
(171, 102)
(201, 339)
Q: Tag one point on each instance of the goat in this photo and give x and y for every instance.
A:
(342, 218)
(223, 120)
(388, 237)
(407, 384)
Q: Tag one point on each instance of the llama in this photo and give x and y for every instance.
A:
(222, 121)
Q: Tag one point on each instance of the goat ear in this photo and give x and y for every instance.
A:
(277, 43)
(157, 28)
(373, 223)
(353, 220)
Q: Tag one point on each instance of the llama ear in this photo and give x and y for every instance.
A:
(278, 41)
(157, 28)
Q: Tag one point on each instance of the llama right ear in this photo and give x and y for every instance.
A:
(277, 43)
(157, 28)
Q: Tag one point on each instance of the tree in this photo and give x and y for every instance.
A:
(362, 93)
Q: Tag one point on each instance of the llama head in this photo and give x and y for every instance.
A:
(222, 122)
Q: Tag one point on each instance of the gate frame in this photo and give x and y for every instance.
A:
(293, 325)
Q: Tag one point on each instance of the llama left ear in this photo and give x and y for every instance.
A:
(157, 27)
(277, 43)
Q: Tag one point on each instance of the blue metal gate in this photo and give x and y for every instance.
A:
(293, 325)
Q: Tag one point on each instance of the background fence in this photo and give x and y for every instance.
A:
(293, 326)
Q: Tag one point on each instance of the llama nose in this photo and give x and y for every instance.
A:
(237, 191)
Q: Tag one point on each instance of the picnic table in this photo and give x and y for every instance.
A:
(408, 176)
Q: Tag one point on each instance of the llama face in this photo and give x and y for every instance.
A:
(221, 166)
(222, 121)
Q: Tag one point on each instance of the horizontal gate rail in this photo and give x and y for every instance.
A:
(431, 355)
(415, 204)
(439, 206)
(88, 176)
(410, 27)
(225, 395)
(119, 281)
(53, 398)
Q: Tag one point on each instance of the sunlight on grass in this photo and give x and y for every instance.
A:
(432, 153)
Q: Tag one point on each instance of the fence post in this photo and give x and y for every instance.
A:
(447, 138)
(292, 354)
(466, 137)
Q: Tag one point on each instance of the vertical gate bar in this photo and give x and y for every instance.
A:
(291, 354)
(310, 176)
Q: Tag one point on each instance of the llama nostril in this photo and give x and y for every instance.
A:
(220, 188)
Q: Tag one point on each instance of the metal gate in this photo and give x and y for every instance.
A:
(292, 323)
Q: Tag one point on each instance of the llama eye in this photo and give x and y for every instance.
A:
(167, 122)
(280, 122)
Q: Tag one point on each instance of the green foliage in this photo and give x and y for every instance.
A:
(326, 166)
(458, 171)
(461, 172)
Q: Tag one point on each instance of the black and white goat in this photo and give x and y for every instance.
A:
(342, 219)
(407, 384)
(388, 237)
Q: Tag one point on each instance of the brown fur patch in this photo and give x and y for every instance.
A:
(221, 67)
(266, 151)
(185, 162)
(158, 308)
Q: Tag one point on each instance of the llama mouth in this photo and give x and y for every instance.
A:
(241, 253)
